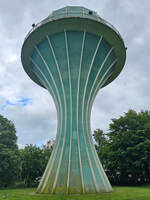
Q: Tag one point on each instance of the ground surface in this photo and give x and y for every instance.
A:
(120, 193)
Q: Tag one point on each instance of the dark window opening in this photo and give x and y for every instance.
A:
(90, 12)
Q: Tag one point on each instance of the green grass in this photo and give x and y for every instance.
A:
(119, 193)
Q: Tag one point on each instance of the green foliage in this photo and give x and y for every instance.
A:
(9, 154)
(119, 193)
(100, 139)
(34, 160)
(8, 136)
(9, 167)
(126, 153)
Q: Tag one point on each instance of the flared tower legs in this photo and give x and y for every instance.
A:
(74, 167)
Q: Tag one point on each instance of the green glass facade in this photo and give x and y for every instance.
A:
(73, 63)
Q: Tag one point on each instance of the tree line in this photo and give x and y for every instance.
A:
(124, 151)
(20, 167)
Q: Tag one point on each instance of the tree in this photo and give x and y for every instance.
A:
(9, 154)
(126, 154)
(34, 160)
(8, 136)
(100, 138)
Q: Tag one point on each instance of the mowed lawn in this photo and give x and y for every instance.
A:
(119, 193)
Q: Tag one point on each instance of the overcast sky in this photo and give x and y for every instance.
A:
(30, 107)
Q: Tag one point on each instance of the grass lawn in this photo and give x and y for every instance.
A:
(119, 193)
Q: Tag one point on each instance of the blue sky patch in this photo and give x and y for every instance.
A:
(17, 101)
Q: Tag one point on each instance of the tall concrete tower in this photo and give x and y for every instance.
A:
(73, 53)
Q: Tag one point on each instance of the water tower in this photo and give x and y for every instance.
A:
(73, 53)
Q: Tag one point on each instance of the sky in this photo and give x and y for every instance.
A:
(30, 107)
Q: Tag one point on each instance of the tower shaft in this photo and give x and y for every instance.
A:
(73, 75)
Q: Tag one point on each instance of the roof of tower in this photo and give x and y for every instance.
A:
(78, 19)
